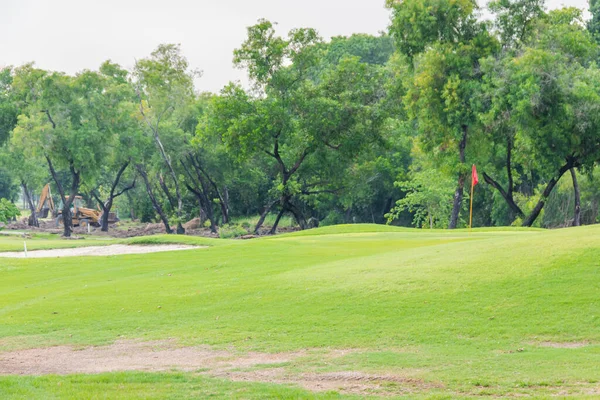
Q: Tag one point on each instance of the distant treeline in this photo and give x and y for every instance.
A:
(355, 129)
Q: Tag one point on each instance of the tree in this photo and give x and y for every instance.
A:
(543, 103)
(593, 24)
(298, 112)
(115, 111)
(27, 168)
(8, 105)
(443, 43)
(60, 123)
(165, 88)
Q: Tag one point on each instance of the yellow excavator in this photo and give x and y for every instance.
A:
(82, 216)
(45, 204)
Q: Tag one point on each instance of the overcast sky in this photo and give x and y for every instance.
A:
(71, 35)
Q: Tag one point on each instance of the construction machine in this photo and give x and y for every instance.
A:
(45, 204)
(83, 216)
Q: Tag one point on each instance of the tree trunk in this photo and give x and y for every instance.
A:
(508, 194)
(205, 206)
(107, 205)
(542, 201)
(264, 214)
(105, 214)
(274, 228)
(297, 215)
(131, 208)
(458, 194)
(33, 220)
(166, 159)
(201, 192)
(202, 213)
(386, 208)
(66, 210)
(155, 203)
(508, 197)
(457, 203)
(224, 200)
(577, 215)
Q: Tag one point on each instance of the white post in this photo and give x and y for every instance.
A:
(25, 248)
(88, 225)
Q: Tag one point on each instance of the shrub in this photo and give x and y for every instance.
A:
(8, 210)
(231, 231)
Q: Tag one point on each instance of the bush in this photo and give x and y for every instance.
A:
(333, 218)
(8, 210)
(231, 231)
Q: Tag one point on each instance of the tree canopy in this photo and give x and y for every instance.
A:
(363, 128)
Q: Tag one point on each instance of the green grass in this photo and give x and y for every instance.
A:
(285, 222)
(160, 386)
(45, 241)
(462, 310)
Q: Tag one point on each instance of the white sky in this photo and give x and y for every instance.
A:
(71, 35)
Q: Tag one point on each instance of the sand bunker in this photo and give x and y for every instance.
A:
(111, 250)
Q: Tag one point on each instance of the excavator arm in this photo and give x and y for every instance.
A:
(45, 197)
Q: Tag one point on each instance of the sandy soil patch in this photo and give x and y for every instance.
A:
(563, 345)
(127, 355)
(111, 250)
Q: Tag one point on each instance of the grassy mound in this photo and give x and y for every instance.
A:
(491, 312)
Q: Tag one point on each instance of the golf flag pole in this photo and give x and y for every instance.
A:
(474, 181)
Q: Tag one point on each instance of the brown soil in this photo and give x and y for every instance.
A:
(563, 345)
(192, 229)
(127, 355)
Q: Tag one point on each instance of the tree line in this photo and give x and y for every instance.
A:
(356, 129)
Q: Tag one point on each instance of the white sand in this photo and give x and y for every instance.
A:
(112, 250)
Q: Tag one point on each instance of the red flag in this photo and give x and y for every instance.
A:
(474, 177)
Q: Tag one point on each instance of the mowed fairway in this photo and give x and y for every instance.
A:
(395, 312)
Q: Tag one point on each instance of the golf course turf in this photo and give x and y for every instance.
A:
(442, 314)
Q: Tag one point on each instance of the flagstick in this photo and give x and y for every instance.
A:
(471, 208)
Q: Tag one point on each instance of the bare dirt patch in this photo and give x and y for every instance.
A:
(563, 345)
(110, 250)
(348, 382)
(127, 355)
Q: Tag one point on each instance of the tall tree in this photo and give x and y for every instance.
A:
(60, 123)
(8, 104)
(443, 41)
(165, 87)
(115, 111)
(298, 112)
(539, 92)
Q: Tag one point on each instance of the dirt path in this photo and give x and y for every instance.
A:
(126, 355)
(111, 250)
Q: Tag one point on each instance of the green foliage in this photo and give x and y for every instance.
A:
(428, 197)
(327, 126)
(369, 49)
(8, 106)
(311, 116)
(561, 203)
(418, 24)
(8, 210)
(232, 231)
(527, 203)
(515, 20)
(593, 24)
(8, 188)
